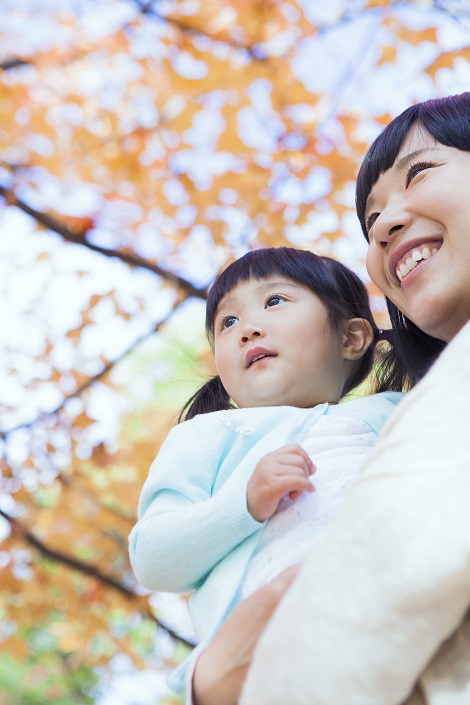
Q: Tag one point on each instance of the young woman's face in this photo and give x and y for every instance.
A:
(418, 216)
(274, 345)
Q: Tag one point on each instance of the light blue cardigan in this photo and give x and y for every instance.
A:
(194, 530)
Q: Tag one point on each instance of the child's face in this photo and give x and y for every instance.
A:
(274, 345)
(419, 253)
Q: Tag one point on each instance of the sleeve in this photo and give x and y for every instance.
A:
(184, 530)
(376, 599)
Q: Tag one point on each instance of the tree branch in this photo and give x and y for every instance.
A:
(147, 8)
(130, 258)
(12, 63)
(85, 569)
(4, 433)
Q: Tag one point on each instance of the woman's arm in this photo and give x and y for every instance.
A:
(221, 668)
(374, 602)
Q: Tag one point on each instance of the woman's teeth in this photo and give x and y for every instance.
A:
(410, 263)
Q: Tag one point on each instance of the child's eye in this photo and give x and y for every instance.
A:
(415, 169)
(273, 300)
(228, 322)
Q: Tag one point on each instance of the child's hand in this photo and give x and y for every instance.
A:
(284, 471)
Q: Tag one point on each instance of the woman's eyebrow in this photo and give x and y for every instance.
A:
(413, 155)
(399, 165)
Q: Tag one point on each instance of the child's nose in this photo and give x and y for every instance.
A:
(249, 332)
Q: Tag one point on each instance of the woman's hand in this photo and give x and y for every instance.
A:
(285, 471)
(222, 667)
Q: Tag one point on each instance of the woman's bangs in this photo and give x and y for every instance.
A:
(381, 157)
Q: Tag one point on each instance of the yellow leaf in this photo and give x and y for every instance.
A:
(446, 61)
(416, 36)
(389, 55)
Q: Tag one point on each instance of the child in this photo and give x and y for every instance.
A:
(229, 503)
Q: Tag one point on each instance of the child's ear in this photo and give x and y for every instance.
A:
(357, 336)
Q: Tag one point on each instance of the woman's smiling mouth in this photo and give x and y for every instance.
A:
(406, 262)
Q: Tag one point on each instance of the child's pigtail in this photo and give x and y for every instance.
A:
(408, 355)
(210, 397)
(391, 372)
(385, 334)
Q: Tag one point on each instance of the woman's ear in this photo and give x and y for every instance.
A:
(357, 336)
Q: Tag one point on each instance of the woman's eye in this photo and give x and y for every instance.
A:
(228, 322)
(415, 169)
(371, 220)
(273, 300)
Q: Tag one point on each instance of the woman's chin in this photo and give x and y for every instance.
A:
(443, 328)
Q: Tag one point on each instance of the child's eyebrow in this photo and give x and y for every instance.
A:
(274, 284)
(227, 301)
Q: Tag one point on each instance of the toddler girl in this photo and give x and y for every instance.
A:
(229, 502)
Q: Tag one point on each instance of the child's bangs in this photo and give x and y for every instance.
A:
(258, 264)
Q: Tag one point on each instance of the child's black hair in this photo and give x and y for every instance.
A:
(448, 121)
(342, 292)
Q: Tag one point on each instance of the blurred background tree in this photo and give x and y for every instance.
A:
(143, 146)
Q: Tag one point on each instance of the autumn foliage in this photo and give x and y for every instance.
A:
(143, 146)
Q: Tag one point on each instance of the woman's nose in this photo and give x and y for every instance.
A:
(388, 225)
(250, 331)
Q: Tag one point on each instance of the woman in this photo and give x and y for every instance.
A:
(376, 614)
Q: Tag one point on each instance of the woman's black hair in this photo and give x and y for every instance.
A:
(342, 292)
(448, 121)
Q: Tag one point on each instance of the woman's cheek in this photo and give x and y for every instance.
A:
(375, 268)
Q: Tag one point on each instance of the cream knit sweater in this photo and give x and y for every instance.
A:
(377, 615)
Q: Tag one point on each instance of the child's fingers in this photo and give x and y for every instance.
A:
(295, 449)
(266, 489)
(288, 484)
(281, 473)
(298, 460)
(295, 494)
(298, 484)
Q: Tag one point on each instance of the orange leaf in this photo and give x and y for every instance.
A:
(446, 61)
(389, 55)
